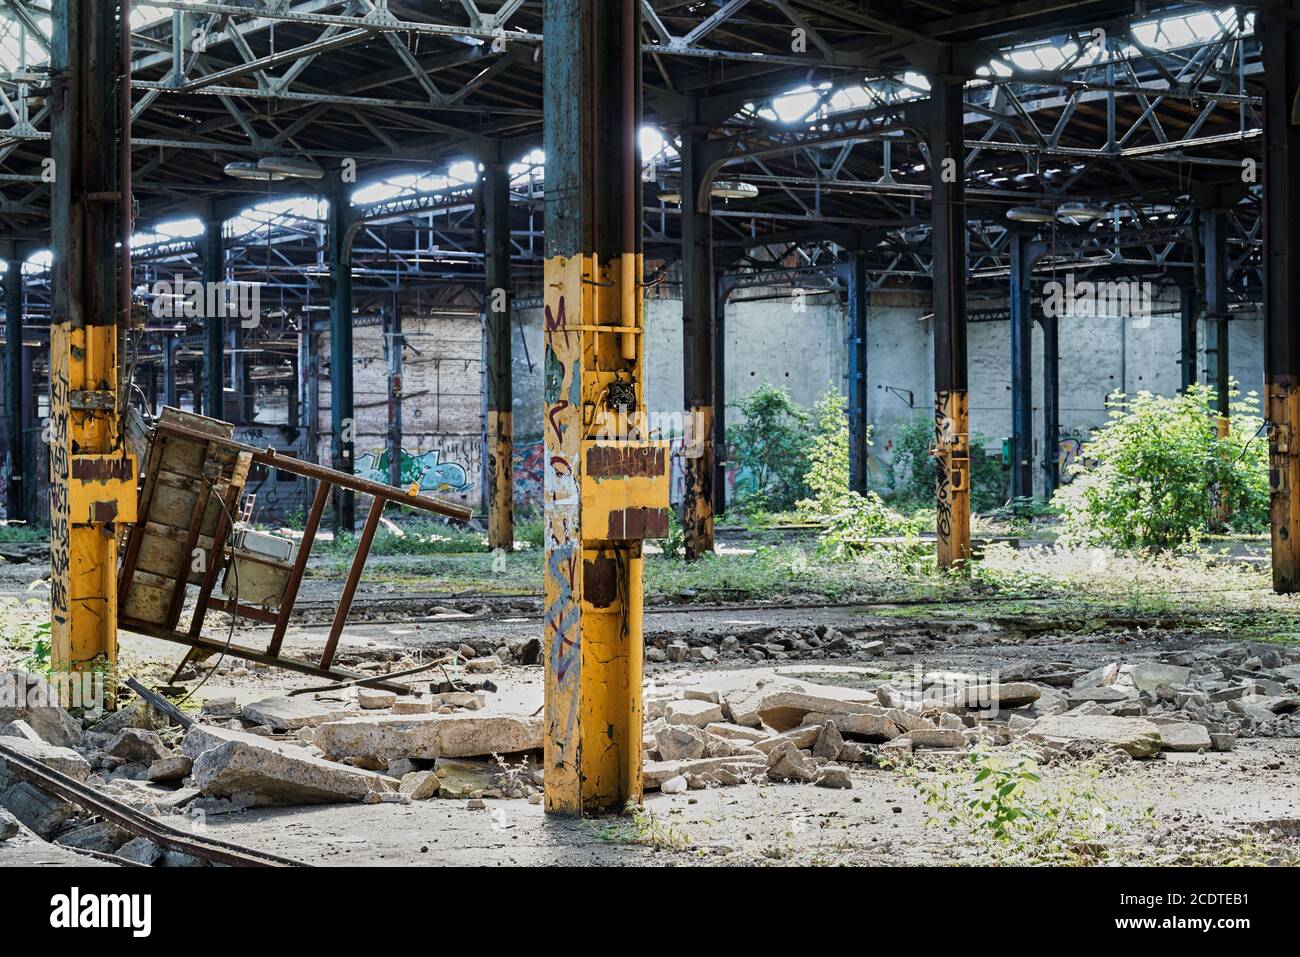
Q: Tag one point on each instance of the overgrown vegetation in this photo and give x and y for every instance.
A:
(913, 474)
(645, 828)
(769, 448)
(850, 518)
(1159, 475)
(21, 534)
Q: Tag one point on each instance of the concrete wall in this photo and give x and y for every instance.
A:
(767, 341)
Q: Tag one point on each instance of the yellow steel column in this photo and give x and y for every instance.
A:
(606, 485)
(92, 476)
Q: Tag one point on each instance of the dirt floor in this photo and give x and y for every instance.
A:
(1025, 609)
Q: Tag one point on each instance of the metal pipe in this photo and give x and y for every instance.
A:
(631, 176)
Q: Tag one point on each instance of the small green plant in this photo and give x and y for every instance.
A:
(674, 546)
(21, 534)
(769, 447)
(998, 798)
(1159, 475)
(643, 827)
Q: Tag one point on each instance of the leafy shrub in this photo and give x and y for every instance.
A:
(850, 519)
(913, 475)
(1155, 473)
(770, 445)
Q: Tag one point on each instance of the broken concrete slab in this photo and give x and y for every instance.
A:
(28, 697)
(935, 738)
(736, 732)
(9, 825)
(138, 746)
(986, 697)
(802, 737)
(679, 742)
(420, 785)
(43, 814)
(19, 729)
(280, 774)
(1135, 736)
(389, 737)
(1150, 675)
(64, 760)
(1182, 735)
(829, 743)
(693, 712)
(413, 706)
(170, 769)
(781, 704)
(655, 773)
(788, 763)
(834, 777)
(372, 699)
(865, 726)
(291, 714)
(141, 851)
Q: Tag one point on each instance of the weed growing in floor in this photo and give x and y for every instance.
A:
(23, 534)
(25, 628)
(643, 827)
(998, 800)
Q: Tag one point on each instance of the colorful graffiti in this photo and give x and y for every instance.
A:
(529, 468)
(426, 468)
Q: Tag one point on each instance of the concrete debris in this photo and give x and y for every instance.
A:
(782, 704)
(141, 851)
(413, 706)
(279, 774)
(28, 697)
(374, 700)
(1181, 735)
(829, 743)
(170, 769)
(291, 714)
(679, 741)
(788, 763)
(98, 836)
(389, 737)
(834, 777)
(694, 713)
(420, 785)
(875, 725)
(9, 825)
(137, 746)
(1135, 736)
(19, 729)
(655, 773)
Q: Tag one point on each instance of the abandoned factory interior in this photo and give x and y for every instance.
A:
(650, 433)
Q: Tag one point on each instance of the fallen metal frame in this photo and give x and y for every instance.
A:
(327, 479)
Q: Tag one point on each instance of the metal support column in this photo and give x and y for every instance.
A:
(92, 474)
(395, 347)
(497, 367)
(1214, 244)
(951, 413)
(1189, 317)
(170, 392)
(16, 400)
(214, 329)
(1051, 404)
(721, 294)
(342, 417)
(606, 485)
(1024, 254)
(859, 423)
(697, 347)
(1281, 76)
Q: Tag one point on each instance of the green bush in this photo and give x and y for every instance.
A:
(769, 447)
(1151, 478)
(913, 476)
(850, 519)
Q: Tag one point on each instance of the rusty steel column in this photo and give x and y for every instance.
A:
(697, 347)
(342, 398)
(859, 296)
(214, 330)
(606, 485)
(92, 474)
(16, 399)
(951, 411)
(1281, 77)
(497, 366)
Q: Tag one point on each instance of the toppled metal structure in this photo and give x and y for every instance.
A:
(189, 535)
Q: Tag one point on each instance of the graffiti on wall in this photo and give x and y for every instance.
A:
(427, 468)
(529, 465)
